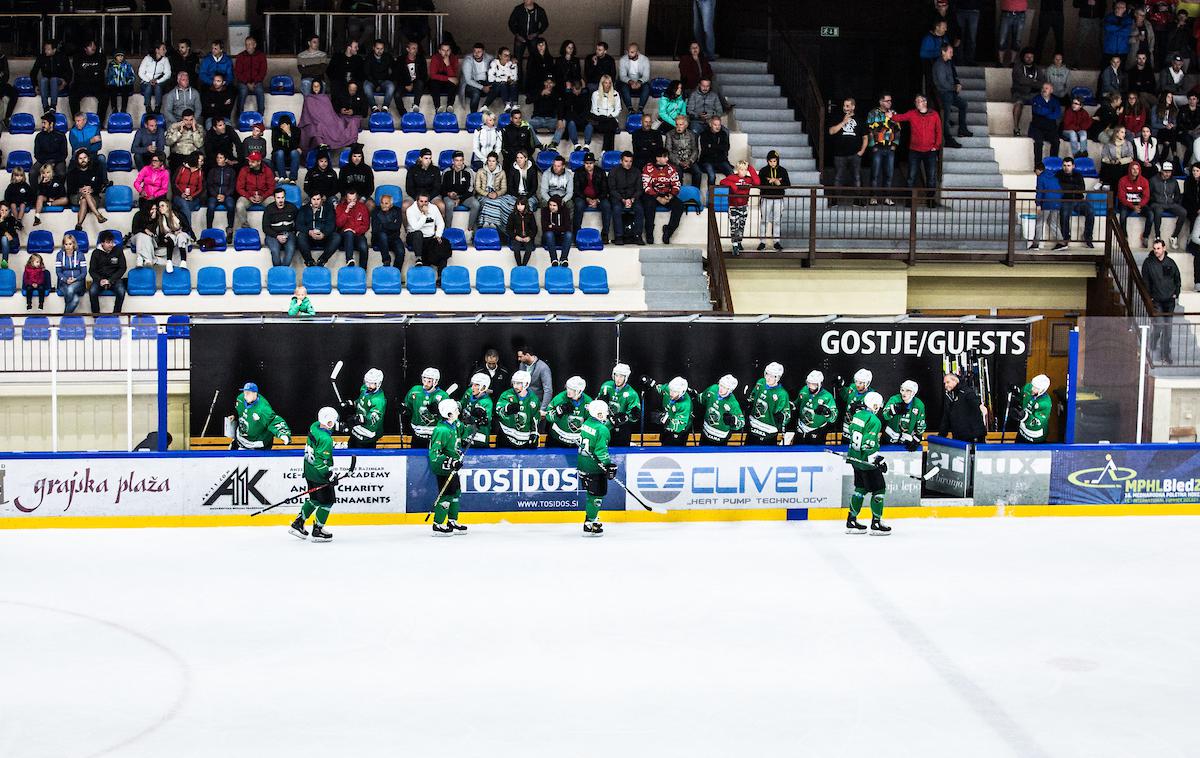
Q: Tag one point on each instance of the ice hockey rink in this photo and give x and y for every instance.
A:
(952, 637)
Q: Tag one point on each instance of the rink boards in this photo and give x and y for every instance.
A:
(395, 487)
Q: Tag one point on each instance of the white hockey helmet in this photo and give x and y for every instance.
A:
(598, 409)
(448, 409)
(373, 376)
(327, 417)
(432, 373)
(908, 390)
(1040, 383)
(677, 386)
(773, 372)
(621, 369)
(522, 378)
(482, 379)
(814, 377)
(862, 376)
(873, 401)
(576, 384)
(727, 383)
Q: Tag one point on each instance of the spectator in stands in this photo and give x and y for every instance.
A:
(1166, 197)
(221, 185)
(606, 107)
(184, 58)
(1074, 200)
(312, 62)
(443, 78)
(597, 65)
(1187, 126)
(1107, 118)
(1143, 82)
(85, 183)
(352, 103)
(1133, 115)
(35, 280)
(740, 182)
(1113, 79)
(515, 137)
(474, 71)
(184, 138)
(358, 175)
(1141, 37)
(1163, 283)
(316, 229)
(1164, 118)
(1027, 81)
(522, 179)
(387, 230)
(10, 235)
(189, 189)
(182, 98)
(107, 271)
(647, 141)
(412, 76)
(502, 77)
(683, 150)
(591, 194)
(773, 182)
(322, 178)
(522, 232)
(1133, 199)
(546, 110)
(379, 79)
(931, 49)
(692, 68)
(567, 67)
(924, 142)
(703, 104)
(345, 68)
(634, 79)
(279, 229)
(1146, 149)
(1115, 157)
(87, 79)
(538, 68)
(86, 136)
(1059, 77)
(1012, 24)
(221, 138)
(424, 178)
(50, 148)
(1050, 19)
(300, 305)
(557, 181)
(152, 183)
(1191, 201)
(119, 81)
(7, 90)
(574, 105)
(458, 188)
(487, 139)
(1171, 81)
(941, 11)
(556, 230)
(322, 125)
(527, 22)
(52, 72)
(171, 235)
(714, 150)
(353, 220)
(963, 416)
(625, 200)
(882, 132)
(19, 197)
(217, 101)
(50, 191)
(216, 62)
(849, 138)
(70, 269)
(1075, 126)
(285, 148)
(1178, 38)
(1044, 126)
(670, 106)
(491, 187)
(660, 188)
(945, 80)
(255, 183)
(425, 238)
(1047, 200)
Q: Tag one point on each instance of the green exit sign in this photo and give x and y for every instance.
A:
(831, 31)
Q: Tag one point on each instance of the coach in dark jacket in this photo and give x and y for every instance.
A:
(962, 416)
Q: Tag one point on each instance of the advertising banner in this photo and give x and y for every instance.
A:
(91, 487)
(1011, 476)
(902, 489)
(1117, 474)
(237, 485)
(686, 481)
(954, 467)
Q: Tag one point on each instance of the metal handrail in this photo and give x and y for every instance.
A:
(439, 22)
(718, 276)
(1131, 287)
(164, 20)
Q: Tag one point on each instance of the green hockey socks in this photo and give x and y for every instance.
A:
(877, 504)
(592, 507)
(856, 503)
(310, 507)
(307, 509)
(454, 507)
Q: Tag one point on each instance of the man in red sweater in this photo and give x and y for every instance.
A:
(1133, 197)
(925, 140)
(660, 188)
(443, 78)
(255, 183)
(352, 220)
(250, 69)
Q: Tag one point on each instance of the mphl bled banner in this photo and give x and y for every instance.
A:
(1105, 474)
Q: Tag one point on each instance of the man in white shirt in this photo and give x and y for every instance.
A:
(425, 227)
(634, 74)
(474, 76)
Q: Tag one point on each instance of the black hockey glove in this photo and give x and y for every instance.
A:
(430, 407)
(912, 444)
(620, 419)
(660, 418)
(610, 469)
(646, 381)
(728, 420)
(511, 408)
(560, 410)
(455, 464)
(348, 403)
(880, 464)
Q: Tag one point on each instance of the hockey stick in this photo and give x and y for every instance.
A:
(337, 369)
(332, 481)
(628, 491)
(919, 477)
(454, 472)
(213, 404)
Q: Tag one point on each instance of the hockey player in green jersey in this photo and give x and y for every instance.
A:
(594, 464)
(1035, 410)
(318, 473)
(864, 434)
(624, 405)
(674, 421)
(445, 459)
(475, 409)
(366, 424)
(257, 423)
(816, 412)
(722, 414)
(904, 417)
(420, 406)
(517, 413)
(566, 414)
(769, 407)
(850, 399)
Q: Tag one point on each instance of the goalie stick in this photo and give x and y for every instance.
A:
(628, 491)
(919, 477)
(332, 481)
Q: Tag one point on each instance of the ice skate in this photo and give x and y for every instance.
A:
(593, 529)
(456, 527)
(878, 528)
(442, 530)
(853, 527)
(297, 529)
(319, 534)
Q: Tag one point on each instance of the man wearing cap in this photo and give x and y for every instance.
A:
(184, 97)
(424, 178)
(257, 141)
(322, 179)
(591, 189)
(1170, 79)
(1165, 196)
(217, 101)
(660, 185)
(255, 183)
(458, 189)
(184, 139)
(257, 423)
(119, 80)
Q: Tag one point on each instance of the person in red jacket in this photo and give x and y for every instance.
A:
(189, 186)
(1075, 126)
(255, 183)
(1133, 196)
(250, 70)
(660, 189)
(443, 78)
(352, 220)
(925, 140)
(740, 182)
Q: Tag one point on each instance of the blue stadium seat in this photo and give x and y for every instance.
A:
(278, 115)
(474, 121)
(178, 282)
(53, 209)
(385, 160)
(456, 237)
(119, 160)
(575, 159)
(118, 198)
(120, 123)
(633, 122)
(60, 123)
(504, 120)
(413, 123)
(71, 328)
(178, 326)
(145, 327)
(720, 201)
(658, 85)
(445, 158)
(593, 280)
(445, 123)
(247, 280)
(91, 119)
(20, 159)
(310, 159)
(35, 329)
(560, 281)
(246, 239)
(390, 189)
(545, 158)
(1052, 163)
(1086, 167)
(381, 123)
(487, 238)
(489, 280)
(385, 280)
(523, 280)
(689, 194)
(351, 280)
(1099, 202)
(588, 239)
(411, 157)
(141, 282)
(422, 280)
(106, 328)
(344, 158)
(118, 238)
(317, 280)
(160, 118)
(210, 280)
(40, 241)
(1085, 94)
(24, 87)
(610, 159)
(22, 123)
(81, 239)
(282, 85)
(291, 193)
(456, 280)
(281, 280)
(220, 243)
(248, 119)
(7, 330)
(8, 282)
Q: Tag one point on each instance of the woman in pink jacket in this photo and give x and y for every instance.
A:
(152, 182)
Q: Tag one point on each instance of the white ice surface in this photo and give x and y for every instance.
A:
(991, 637)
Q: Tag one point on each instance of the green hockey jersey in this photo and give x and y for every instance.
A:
(1035, 414)
(466, 412)
(517, 415)
(624, 405)
(904, 422)
(864, 438)
(850, 402)
(422, 409)
(445, 445)
(679, 412)
(566, 417)
(318, 454)
(770, 409)
(368, 414)
(716, 408)
(814, 410)
(593, 438)
(257, 424)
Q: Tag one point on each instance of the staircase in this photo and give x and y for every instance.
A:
(674, 279)
(974, 164)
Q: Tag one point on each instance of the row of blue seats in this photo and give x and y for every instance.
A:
(37, 328)
(1085, 167)
(486, 238)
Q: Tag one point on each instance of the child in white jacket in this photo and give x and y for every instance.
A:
(502, 75)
